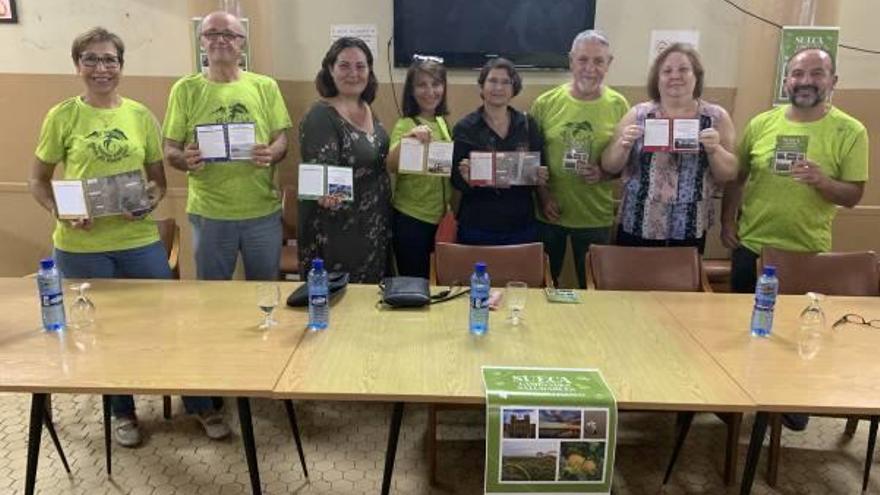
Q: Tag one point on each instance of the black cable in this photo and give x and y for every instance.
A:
(779, 26)
(391, 77)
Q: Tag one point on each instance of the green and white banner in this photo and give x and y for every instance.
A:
(795, 38)
(549, 431)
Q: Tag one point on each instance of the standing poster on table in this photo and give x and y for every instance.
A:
(549, 430)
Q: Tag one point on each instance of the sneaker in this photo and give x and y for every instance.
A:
(126, 432)
(214, 425)
(795, 422)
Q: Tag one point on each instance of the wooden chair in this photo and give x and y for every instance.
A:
(676, 269)
(842, 274)
(289, 250)
(453, 264)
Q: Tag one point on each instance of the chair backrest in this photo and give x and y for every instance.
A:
(453, 264)
(645, 268)
(842, 274)
(169, 233)
(288, 212)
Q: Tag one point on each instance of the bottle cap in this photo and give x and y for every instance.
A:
(47, 263)
(480, 267)
(769, 270)
(317, 264)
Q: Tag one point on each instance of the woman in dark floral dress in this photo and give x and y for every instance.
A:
(340, 129)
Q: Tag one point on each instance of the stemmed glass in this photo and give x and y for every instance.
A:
(82, 310)
(268, 296)
(516, 300)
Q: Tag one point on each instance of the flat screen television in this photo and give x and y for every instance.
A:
(465, 33)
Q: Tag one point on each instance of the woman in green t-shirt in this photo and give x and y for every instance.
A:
(419, 200)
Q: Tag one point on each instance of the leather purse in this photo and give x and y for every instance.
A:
(405, 292)
(336, 283)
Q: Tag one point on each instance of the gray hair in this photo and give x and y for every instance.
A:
(594, 35)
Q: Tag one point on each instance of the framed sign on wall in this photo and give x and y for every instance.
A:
(7, 12)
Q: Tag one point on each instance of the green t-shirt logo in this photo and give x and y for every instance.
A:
(108, 145)
(237, 112)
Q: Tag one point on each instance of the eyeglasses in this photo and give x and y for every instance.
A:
(856, 320)
(92, 60)
(228, 36)
(499, 82)
(427, 58)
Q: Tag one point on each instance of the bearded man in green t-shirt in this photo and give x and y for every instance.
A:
(577, 121)
(797, 163)
(233, 203)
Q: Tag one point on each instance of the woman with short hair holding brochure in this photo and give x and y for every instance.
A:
(100, 134)
(675, 151)
(351, 234)
(420, 201)
(496, 215)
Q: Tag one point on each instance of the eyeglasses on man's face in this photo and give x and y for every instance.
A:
(227, 36)
(91, 60)
(856, 320)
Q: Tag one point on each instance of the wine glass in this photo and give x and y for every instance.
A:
(82, 310)
(516, 300)
(268, 296)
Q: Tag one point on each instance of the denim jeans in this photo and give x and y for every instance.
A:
(555, 239)
(218, 242)
(149, 261)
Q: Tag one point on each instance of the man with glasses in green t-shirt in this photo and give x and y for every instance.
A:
(577, 120)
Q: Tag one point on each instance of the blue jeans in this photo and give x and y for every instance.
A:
(218, 242)
(149, 261)
(555, 239)
(413, 244)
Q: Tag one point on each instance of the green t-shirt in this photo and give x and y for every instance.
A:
(97, 142)
(568, 123)
(780, 212)
(228, 190)
(421, 196)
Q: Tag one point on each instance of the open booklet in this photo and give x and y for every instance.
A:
(435, 158)
(101, 196)
(226, 142)
(316, 180)
(789, 149)
(672, 135)
(504, 168)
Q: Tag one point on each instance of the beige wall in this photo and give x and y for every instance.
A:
(289, 38)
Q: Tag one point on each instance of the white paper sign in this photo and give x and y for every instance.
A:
(661, 39)
(366, 32)
(70, 199)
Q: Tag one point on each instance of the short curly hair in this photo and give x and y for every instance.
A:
(96, 35)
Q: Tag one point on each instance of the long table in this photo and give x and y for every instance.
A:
(150, 337)
(427, 355)
(843, 378)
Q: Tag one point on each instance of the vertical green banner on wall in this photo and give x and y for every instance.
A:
(549, 431)
(795, 38)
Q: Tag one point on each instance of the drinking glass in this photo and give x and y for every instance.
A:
(268, 296)
(82, 310)
(516, 300)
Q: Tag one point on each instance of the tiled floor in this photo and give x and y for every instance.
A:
(345, 445)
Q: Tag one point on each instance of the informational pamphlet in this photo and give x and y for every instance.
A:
(435, 158)
(672, 135)
(316, 180)
(226, 142)
(102, 196)
(789, 150)
(549, 431)
(504, 168)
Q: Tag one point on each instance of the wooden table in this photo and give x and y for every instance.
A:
(841, 379)
(150, 337)
(427, 354)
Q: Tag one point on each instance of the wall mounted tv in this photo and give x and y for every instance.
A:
(531, 33)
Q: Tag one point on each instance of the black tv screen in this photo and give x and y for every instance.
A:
(531, 33)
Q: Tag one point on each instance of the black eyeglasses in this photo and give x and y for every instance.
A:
(228, 36)
(92, 60)
(857, 320)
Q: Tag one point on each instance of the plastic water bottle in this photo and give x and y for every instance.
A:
(319, 303)
(479, 311)
(765, 300)
(51, 296)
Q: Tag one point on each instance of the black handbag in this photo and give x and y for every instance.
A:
(413, 292)
(336, 283)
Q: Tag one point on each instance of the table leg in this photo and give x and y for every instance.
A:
(683, 421)
(105, 399)
(247, 438)
(391, 451)
(294, 427)
(759, 430)
(869, 455)
(47, 422)
(35, 433)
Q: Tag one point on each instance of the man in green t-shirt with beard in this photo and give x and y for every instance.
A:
(577, 121)
(233, 205)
